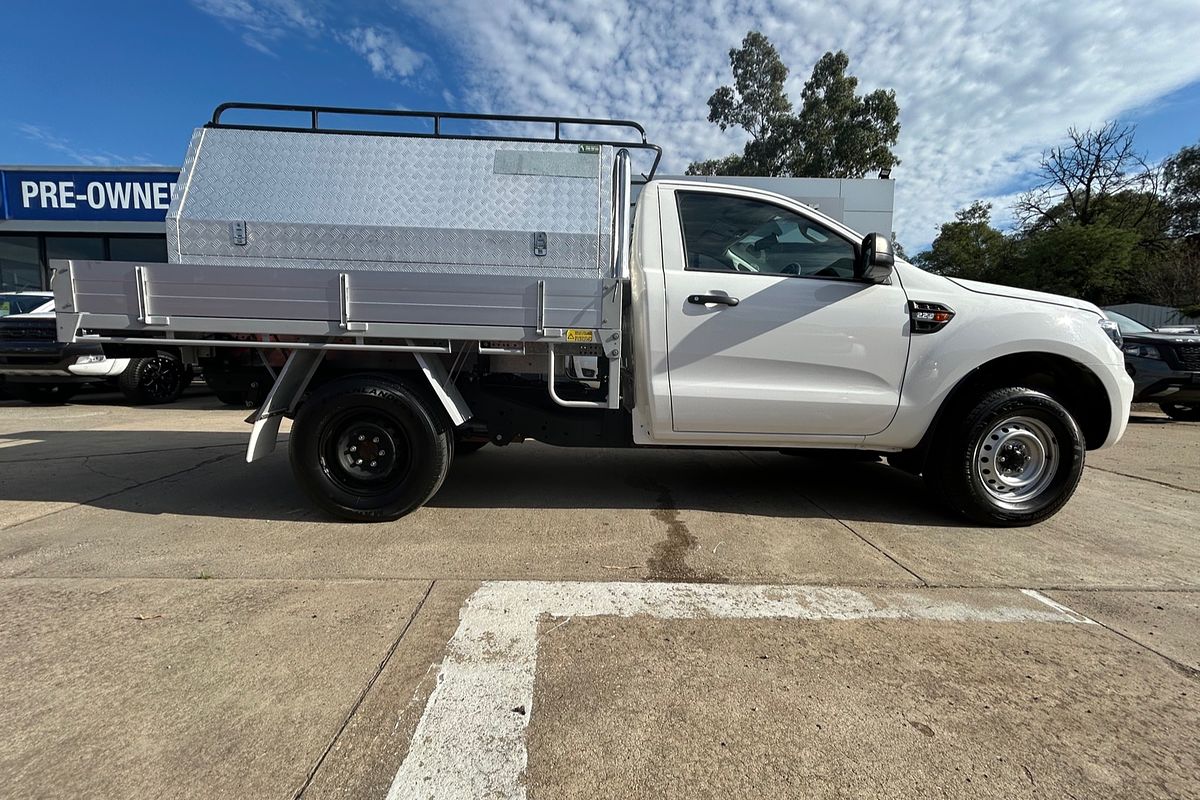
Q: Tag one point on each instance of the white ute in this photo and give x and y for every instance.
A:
(437, 285)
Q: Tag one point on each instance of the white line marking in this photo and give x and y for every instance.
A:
(470, 740)
(1041, 598)
(19, 442)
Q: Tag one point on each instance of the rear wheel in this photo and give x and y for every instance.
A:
(370, 448)
(1015, 458)
(155, 379)
(43, 394)
(1184, 412)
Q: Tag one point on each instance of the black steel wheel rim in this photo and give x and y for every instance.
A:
(160, 377)
(365, 452)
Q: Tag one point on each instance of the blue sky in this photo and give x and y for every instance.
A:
(983, 86)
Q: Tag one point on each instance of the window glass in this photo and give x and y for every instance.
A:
(85, 247)
(137, 248)
(20, 268)
(20, 303)
(736, 234)
(1127, 324)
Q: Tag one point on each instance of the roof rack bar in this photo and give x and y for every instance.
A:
(435, 116)
(640, 141)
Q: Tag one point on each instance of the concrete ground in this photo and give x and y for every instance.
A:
(559, 623)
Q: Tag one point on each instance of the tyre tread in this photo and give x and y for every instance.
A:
(431, 467)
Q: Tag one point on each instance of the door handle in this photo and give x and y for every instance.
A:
(719, 299)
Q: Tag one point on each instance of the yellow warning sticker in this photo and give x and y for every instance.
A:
(576, 335)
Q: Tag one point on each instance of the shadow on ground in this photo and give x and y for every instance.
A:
(204, 474)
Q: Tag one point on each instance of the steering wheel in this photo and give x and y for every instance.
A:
(791, 269)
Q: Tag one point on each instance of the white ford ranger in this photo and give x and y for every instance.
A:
(436, 291)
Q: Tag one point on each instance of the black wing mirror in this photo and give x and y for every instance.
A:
(875, 259)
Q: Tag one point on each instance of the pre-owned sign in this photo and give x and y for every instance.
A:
(109, 196)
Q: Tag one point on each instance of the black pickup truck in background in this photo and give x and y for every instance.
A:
(37, 368)
(1165, 367)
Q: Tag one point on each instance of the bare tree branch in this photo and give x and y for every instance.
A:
(1077, 179)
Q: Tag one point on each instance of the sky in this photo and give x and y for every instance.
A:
(983, 86)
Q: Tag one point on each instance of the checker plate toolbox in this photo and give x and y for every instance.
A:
(357, 238)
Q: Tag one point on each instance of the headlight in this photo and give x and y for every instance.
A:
(1142, 351)
(90, 359)
(1110, 327)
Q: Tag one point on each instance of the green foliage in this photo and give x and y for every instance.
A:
(729, 165)
(1181, 175)
(1093, 262)
(757, 104)
(1173, 278)
(1100, 226)
(837, 134)
(969, 247)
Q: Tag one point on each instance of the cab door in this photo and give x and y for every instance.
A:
(768, 331)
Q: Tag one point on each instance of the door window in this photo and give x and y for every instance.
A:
(722, 233)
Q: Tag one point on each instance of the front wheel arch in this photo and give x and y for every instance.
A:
(1074, 385)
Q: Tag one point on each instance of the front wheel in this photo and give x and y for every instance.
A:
(1184, 412)
(1014, 458)
(369, 448)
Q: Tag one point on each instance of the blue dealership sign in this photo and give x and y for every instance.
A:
(87, 196)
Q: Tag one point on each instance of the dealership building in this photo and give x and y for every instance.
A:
(112, 213)
(118, 213)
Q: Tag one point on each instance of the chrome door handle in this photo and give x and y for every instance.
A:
(706, 299)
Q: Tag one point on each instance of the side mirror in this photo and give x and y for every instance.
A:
(875, 259)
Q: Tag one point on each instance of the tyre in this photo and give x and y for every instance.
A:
(1013, 458)
(1184, 412)
(244, 390)
(43, 394)
(154, 379)
(368, 448)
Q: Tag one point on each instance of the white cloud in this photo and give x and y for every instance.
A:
(983, 86)
(263, 22)
(388, 56)
(63, 146)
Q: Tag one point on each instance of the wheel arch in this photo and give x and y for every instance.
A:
(1074, 385)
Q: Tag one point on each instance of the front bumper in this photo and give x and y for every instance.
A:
(50, 362)
(1119, 388)
(1155, 381)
